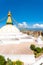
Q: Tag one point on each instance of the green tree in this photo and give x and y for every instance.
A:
(19, 63)
(9, 62)
(38, 49)
(2, 60)
(32, 47)
(42, 49)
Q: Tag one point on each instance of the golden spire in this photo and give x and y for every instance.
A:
(9, 20)
(9, 13)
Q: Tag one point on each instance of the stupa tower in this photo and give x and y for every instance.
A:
(9, 20)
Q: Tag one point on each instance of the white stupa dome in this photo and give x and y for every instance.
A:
(9, 29)
(10, 36)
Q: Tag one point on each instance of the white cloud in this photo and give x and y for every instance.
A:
(23, 25)
(38, 26)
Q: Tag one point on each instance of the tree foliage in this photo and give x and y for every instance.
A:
(9, 62)
(19, 63)
(32, 47)
(2, 60)
(38, 49)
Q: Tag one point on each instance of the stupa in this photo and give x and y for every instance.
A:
(10, 34)
(12, 42)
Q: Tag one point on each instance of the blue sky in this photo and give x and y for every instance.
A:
(29, 12)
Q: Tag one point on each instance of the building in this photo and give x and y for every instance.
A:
(11, 34)
(15, 44)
